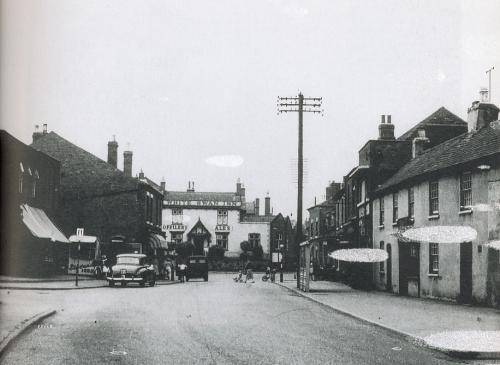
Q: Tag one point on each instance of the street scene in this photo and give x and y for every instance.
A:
(274, 182)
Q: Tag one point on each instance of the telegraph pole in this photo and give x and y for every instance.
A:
(301, 105)
(489, 83)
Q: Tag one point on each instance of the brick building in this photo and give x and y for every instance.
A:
(31, 243)
(455, 183)
(108, 203)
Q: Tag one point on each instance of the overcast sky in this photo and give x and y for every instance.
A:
(183, 81)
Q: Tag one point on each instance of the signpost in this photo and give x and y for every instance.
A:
(79, 234)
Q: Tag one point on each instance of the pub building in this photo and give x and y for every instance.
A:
(216, 218)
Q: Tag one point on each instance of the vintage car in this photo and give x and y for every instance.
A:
(132, 268)
(197, 267)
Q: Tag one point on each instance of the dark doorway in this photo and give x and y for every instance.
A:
(465, 272)
(199, 236)
(409, 268)
(199, 242)
(388, 284)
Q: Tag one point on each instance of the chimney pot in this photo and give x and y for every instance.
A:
(45, 128)
(127, 163)
(267, 206)
(257, 206)
(113, 152)
(419, 142)
(382, 119)
(389, 119)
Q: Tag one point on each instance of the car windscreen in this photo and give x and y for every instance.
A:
(128, 260)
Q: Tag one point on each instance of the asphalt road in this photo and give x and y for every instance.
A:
(214, 322)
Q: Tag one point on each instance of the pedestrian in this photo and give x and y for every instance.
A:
(248, 269)
(182, 271)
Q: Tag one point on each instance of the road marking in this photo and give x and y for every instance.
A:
(118, 353)
(396, 348)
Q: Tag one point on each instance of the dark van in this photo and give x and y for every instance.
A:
(197, 267)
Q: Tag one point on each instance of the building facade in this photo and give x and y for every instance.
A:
(224, 219)
(31, 242)
(108, 203)
(455, 183)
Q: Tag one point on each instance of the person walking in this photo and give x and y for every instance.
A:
(248, 269)
(182, 271)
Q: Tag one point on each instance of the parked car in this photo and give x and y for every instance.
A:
(132, 268)
(197, 267)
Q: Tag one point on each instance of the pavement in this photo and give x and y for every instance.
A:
(15, 318)
(458, 330)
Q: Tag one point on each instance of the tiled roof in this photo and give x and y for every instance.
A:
(462, 149)
(209, 196)
(259, 218)
(80, 167)
(442, 117)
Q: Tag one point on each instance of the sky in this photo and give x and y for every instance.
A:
(191, 86)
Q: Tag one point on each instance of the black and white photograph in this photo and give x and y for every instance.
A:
(250, 182)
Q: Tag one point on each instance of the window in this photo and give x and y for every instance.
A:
(21, 183)
(221, 240)
(394, 208)
(382, 263)
(413, 250)
(177, 216)
(411, 203)
(433, 197)
(433, 258)
(381, 212)
(222, 216)
(254, 239)
(465, 191)
(176, 237)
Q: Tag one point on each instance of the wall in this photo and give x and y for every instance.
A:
(447, 285)
(238, 231)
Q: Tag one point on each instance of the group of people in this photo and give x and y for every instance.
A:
(248, 272)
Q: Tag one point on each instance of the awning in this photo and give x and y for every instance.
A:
(157, 241)
(40, 225)
(83, 239)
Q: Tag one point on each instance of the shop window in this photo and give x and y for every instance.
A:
(177, 217)
(465, 191)
(222, 216)
(433, 258)
(222, 240)
(433, 197)
(254, 239)
(411, 203)
(394, 208)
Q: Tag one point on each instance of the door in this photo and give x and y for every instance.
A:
(465, 272)
(199, 242)
(409, 269)
(389, 268)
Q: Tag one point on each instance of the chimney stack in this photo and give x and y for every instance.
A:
(386, 130)
(419, 142)
(190, 187)
(162, 185)
(267, 206)
(36, 134)
(127, 163)
(257, 206)
(481, 113)
(238, 187)
(113, 153)
(141, 174)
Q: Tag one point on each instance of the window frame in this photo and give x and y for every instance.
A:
(222, 240)
(381, 211)
(382, 263)
(411, 203)
(433, 258)
(395, 207)
(222, 216)
(177, 216)
(465, 191)
(254, 240)
(433, 197)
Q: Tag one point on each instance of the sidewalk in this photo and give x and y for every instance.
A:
(458, 330)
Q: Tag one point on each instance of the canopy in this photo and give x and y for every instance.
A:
(360, 255)
(439, 234)
(40, 225)
(83, 239)
(157, 241)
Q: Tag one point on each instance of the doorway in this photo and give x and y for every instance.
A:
(388, 285)
(465, 272)
(409, 268)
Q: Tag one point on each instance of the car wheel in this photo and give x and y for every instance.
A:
(205, 278)
(111, 283)
(153, 280)
(124, 283)
(142, 283)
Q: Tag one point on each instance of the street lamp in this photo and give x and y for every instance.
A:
(280, 248)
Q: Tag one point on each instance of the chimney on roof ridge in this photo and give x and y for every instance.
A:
(113, 152)
(141, 174)
(190, 187)
(267, 205)
(162, 184)
(36, 134)
(127, 162)
(418, 144)
(481, 113)
(386, 130)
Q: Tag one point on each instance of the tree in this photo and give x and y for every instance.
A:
(184, 249)
(245, 246)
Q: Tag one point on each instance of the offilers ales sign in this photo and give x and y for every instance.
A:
(200, 203)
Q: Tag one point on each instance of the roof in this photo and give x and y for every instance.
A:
(325, 204)
(80, 167)
(462, 149)
(259, 218)
(441, 117)
(202, 196)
